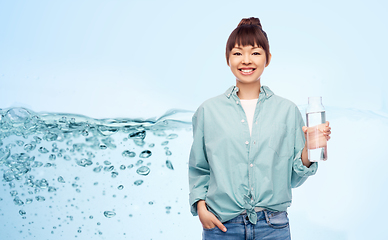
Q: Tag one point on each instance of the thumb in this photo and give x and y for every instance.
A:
(304, 128)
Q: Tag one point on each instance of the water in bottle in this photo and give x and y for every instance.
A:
(316, 119)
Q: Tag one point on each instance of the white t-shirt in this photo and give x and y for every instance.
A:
(249, 107)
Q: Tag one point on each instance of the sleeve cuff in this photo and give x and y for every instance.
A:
(301, 169)
(194, 198)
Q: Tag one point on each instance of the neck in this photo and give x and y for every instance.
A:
(248, 90)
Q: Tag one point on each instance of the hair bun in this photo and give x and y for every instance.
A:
(250, 21)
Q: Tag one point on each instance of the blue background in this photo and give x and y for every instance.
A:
(140, 58)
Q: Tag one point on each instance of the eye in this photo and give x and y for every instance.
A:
(237, 53)
(256, 53)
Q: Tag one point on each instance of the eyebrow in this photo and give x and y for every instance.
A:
(251, 48)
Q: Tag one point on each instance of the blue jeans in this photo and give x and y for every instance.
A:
(270, 226)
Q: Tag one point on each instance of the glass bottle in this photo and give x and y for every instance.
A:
(316, 122)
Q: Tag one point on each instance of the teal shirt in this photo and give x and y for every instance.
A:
(233, 170)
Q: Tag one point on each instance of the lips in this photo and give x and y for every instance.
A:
(247, 71)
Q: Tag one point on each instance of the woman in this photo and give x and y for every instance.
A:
(248, 149)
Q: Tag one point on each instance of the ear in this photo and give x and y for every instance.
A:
(269, 60)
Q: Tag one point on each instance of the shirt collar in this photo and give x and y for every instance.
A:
(263, 90)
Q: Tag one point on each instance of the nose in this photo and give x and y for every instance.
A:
(246, 59)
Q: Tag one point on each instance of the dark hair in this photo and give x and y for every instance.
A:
(248, 32)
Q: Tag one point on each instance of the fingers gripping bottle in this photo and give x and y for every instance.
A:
(316, 121)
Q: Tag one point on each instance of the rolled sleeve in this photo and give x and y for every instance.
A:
(199, 171)
(300, 172)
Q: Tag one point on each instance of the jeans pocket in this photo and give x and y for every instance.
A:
(277, 219)
(209, 229)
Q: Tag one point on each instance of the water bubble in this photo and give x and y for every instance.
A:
(43, 150)
(67, 157)
(143, 170)
(164, 143)
(97, 169)
(11, 185)
(17, 115)
(122, 167)
(138, 134)
(168, 207)
(128, 153)
(13, 193)
(37, 164)
(151, 203)
(48, 165)
(172, 136)
(51, 189)
(19, 143)
(159, 133)
(40, 198)
(121, 187)
(139, 162)
(114, 174)
(22, 212)
(17, 201)
(84, 162)
(106, 162)
(61, 180)
(52, 157)
(151, 145)
(50, 137)
(29, 147)
(37, 139)
(109, 169)
(109, 214)
(139, 142)
(138, 182)
(42, 183)
(85, 133)
(103, 147)
(4, 154)
(9, 176)
(28, 200)
(145, 154)
(90, 217)
(130, 166)
(54, 145)
(169, 165)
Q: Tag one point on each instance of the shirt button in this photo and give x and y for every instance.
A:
(246, 142)
(242, 120)
(254, 142)
(236, 102)
(251, 165)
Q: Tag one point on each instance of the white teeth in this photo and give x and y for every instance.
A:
(246, 70)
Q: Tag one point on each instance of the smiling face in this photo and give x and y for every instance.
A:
(247, 63)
